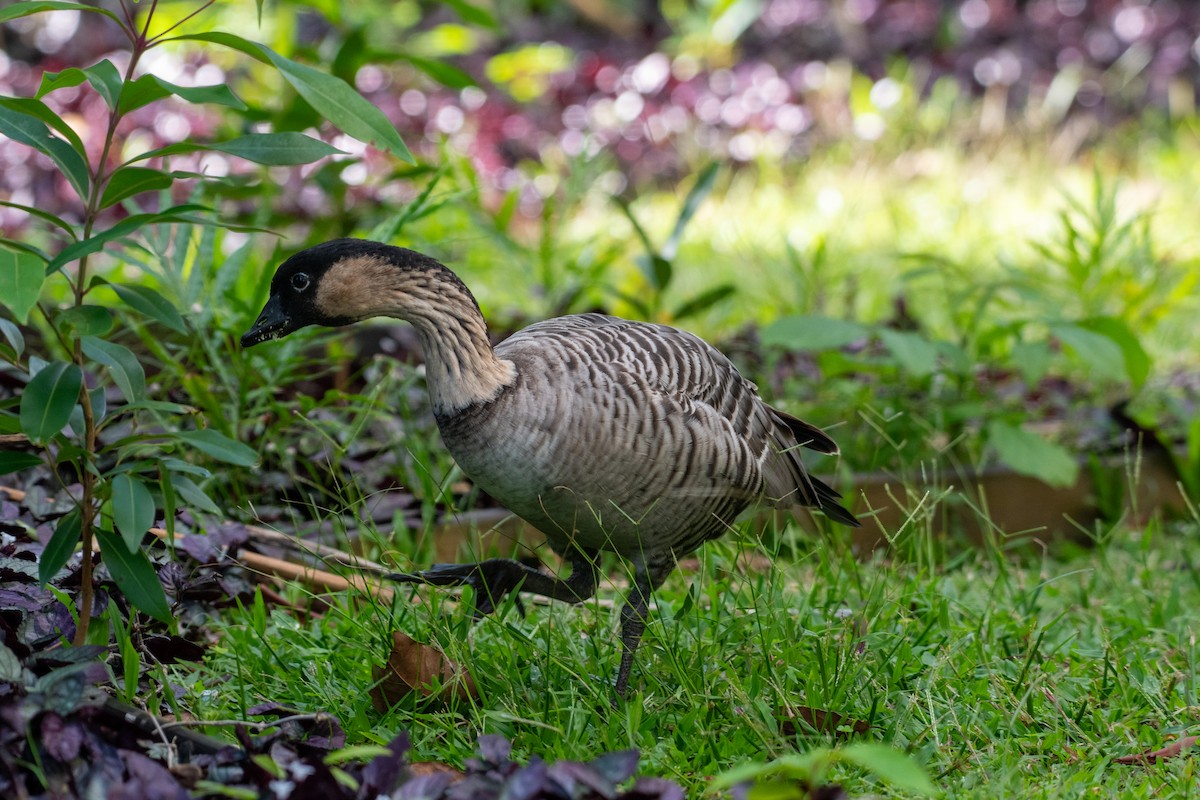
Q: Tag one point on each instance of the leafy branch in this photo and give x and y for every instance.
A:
(59, 412)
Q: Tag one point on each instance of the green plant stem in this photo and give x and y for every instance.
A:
(88, 507)
(160, 36)
(88, 475)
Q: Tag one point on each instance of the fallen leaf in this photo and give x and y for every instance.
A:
(413, 667)
(1174, 749)
(821, 721)
(422, 768)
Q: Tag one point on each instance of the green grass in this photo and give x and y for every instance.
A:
(1006, 670)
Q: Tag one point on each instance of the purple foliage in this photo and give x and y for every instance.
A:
(625, 96)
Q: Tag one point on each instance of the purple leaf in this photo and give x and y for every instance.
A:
(71, 688)
(571, 774)
(61, 739)
(326, 734)
(494, 749)
(199, 548)
(66, 656)
(262, 709)
(230, 535)
(616, 767)
(148, 780)
(173, 577)
(654, 789)
(379, 776)
(23, 598)
(531, 781)
(48, 623)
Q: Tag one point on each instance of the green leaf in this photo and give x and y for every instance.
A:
(19, 120)
(48, 399)
(339, 103)
(148, 88)
(126, 371)
(220, 447)
(87, 320)
(657, 270)
(21, 279)
(812, 332)
(331, 96)
(125, 227)
(691, 204)
(703, 301)
(128, 181)
(890, 765)
(28, 7)
(11, 670)
(61, 546)
(186, 467)
(150, 303)
(158, 405)
(1136, 359)
(169, 502)
(133, 509)
(23, 247)
(142, 92)
(105, 79)
(447, 75)
(1029, 454)
(32, 107)
(1095, 350)
(134, 576)
(72, 76)
(276, 149)
(99, 403)
(193, 494)
(9, 421)
(46, 215)
(232, 41)
(917, 355)
(15, 461)
(1032, 359)
(473, 14)
(798, 768)
(637, 226)
(170, 150)
(13, 335)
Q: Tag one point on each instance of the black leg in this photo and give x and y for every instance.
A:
(496, 577)
(648, 575)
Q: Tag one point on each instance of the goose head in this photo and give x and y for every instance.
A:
(347, 280)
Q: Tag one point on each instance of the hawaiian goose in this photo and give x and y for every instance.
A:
(602, 433)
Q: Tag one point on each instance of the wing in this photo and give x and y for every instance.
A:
(663, 377)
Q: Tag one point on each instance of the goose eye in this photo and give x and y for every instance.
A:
(300, 281)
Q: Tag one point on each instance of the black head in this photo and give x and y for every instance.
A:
(295, 289)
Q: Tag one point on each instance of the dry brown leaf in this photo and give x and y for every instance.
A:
(413, 667)
(420, 769)
(1173, 750)
(820, 720)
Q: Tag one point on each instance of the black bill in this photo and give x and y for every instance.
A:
(272, 323)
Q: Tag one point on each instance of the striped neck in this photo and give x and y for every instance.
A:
(461, 367)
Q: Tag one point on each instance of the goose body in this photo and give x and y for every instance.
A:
(627, 436)
(603, 433)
